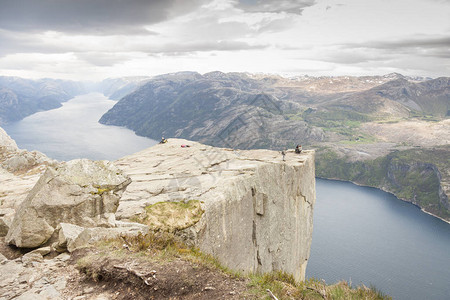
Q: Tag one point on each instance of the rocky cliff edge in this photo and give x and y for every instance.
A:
(250, 209)
(257, 209)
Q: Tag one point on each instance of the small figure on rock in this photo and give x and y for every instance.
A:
(163, 140)
(283, 152)
(298, 149)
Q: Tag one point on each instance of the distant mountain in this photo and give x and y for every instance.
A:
(22, 97)
(117, 88)
(400, 97)
(246, 110)
(429, 97)
(221, 109)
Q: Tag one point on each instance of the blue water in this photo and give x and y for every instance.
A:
(369, 237)
(72, 131)
(361, 234)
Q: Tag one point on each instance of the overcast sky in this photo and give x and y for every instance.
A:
(95, 39)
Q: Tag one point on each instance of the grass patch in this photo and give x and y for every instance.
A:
(163, 247)
(171, 216)
(283, 286)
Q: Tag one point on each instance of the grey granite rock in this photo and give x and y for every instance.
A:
(258, 209)
(81, 192)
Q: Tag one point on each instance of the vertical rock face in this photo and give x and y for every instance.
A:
(262, 220)
(80, 192)
(258, 209)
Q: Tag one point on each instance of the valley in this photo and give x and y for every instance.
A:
(358, 125)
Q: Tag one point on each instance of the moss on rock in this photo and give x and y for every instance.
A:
(173, 216)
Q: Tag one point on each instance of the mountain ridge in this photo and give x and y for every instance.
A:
(177, 97)
(343, 115)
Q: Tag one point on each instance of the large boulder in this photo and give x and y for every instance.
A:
(80, 192)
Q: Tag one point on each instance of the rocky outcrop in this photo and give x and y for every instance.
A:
(250, 209)
(19, 172)
(80, 192)
(257, 210)
(65, 184)
(17, 161)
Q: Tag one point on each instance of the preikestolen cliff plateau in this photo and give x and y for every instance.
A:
(224, 149)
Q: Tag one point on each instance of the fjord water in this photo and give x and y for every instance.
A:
(72, 131)
(370, 237)
(361, 234)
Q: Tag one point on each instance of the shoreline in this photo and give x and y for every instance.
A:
(389, 192)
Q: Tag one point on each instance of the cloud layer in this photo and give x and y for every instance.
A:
(90, 16)
(141, 37)
(270, 6)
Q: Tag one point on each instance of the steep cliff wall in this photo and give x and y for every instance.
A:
(258, 209)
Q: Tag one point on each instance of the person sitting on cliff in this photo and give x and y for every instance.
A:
(298, 149)
(163, 141)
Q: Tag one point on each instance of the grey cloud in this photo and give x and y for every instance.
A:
(426, 66)
(275, 25)
(351, 57)
(183, 48)
(209, 28)
(90, 16)
(102, 59)
(275, 6)
(13, 42)
(426, 42)
(439, 53)
(340, 55)
(107, 59)
(420, 46)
